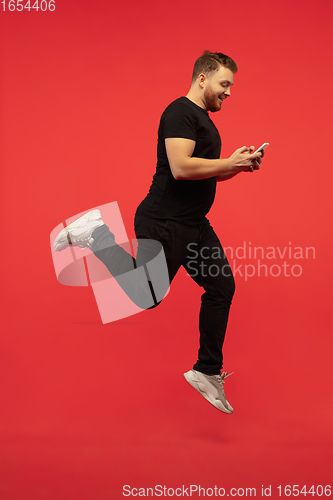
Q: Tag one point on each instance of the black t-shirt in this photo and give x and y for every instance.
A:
(185, 201)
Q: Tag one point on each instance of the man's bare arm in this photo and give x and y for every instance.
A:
(185, 167)
(225, 177)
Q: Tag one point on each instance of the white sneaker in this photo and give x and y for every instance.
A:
(78, 233)
(211, 387)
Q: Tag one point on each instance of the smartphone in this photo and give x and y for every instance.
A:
(263, 146)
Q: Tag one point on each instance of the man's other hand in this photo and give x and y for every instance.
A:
(244, 160)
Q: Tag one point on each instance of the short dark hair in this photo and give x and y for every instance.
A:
(211, 61)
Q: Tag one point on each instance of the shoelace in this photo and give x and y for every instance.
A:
(82, 243)
(86, 243)
(220, 378)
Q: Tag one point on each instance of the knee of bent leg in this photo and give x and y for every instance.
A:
(226, 289)
(232, 288)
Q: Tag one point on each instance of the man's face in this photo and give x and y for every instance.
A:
(217, 88)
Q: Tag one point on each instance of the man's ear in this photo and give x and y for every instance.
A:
(202, 80)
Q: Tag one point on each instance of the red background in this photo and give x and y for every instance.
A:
(87, 408)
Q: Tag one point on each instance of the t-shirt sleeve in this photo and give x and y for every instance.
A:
(179, 121)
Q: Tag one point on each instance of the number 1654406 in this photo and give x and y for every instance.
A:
(23, 5)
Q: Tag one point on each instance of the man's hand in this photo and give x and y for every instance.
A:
(243, 160)
(257, 161)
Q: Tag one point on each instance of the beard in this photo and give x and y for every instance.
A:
(211, 101)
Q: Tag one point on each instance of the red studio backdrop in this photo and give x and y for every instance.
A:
(98, 411)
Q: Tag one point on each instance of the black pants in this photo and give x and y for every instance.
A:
(199, 250)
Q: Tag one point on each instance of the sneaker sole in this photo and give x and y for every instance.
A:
(202, 389)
